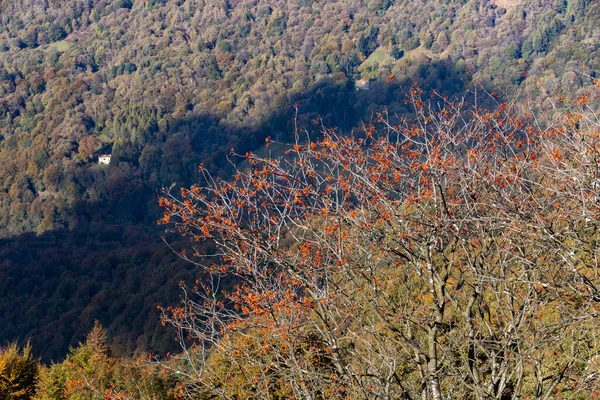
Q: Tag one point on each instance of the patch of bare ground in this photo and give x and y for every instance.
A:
(507, 4)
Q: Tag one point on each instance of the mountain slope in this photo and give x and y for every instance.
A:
(164, 85)
(81, 78)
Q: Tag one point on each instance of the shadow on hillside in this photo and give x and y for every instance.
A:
(113, 266)
(171, 157)
(54, 286)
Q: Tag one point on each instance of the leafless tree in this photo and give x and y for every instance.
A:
(451, 256)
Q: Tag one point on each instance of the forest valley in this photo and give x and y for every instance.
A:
(357, 199)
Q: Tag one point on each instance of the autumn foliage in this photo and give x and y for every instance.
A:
(453, 255)
(92, 372)
(18, 373)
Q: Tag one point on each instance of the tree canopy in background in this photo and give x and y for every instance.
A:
(164, 85)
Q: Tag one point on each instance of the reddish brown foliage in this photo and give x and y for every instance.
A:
(443, 256)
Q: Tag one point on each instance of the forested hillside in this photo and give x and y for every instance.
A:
(165, 85)
(63, 281)
(451, 256)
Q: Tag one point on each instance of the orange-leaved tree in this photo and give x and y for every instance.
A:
(453, 255)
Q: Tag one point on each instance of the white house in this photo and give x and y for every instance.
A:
(104, 159)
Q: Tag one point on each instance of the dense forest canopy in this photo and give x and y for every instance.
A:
(165, 85)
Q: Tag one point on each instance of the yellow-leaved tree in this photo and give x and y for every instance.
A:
(18, 373)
